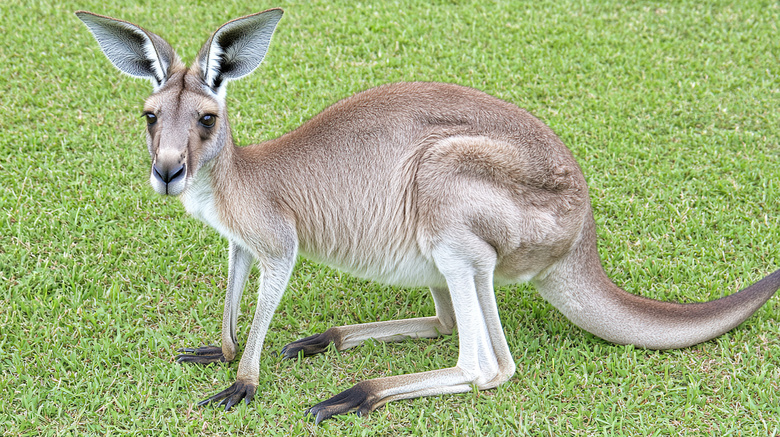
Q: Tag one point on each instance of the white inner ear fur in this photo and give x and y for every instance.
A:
(158, 65)
(210, 67)
(249, 39)
(122, 51)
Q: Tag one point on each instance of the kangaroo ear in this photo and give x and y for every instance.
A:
(130, 48)
(237, 48)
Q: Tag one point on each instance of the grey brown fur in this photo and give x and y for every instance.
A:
(415, 184)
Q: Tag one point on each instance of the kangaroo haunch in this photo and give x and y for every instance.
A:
(415, 184)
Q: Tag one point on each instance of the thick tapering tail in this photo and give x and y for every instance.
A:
(581, 290)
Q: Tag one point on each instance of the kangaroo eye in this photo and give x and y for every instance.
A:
(150, 118)
(208, 120)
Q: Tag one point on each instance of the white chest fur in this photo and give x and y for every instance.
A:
(199, 201)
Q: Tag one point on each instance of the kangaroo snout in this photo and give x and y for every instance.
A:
(168, 177)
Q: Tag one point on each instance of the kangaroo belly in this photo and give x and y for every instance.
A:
(393, 266)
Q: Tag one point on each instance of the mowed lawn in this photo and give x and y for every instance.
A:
(671, 108)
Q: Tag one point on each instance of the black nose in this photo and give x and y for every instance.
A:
(168, 174)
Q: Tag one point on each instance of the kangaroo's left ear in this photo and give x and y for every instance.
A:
(132, 49)
(236, 49)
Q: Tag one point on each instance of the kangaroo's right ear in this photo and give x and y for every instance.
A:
(130, 48)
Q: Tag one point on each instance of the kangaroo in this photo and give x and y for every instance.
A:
(413, 184)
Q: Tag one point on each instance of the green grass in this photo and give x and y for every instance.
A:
(670, 107)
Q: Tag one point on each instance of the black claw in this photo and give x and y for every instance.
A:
(205, 401)
(311, 345)
(317, 416)
(201, 355)
(357, 399)
(232, 395)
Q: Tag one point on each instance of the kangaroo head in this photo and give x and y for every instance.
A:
(185, 115)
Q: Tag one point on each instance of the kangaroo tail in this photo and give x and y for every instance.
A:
(578, 286)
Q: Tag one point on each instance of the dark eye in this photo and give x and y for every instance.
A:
(150, 118)
(208, 120)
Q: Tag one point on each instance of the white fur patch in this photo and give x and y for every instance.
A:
(198, 201)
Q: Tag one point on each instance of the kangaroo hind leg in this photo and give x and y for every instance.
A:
(484, 360)
(345, 337)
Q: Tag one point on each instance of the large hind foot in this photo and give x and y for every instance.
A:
(202, 355)
(311, 345)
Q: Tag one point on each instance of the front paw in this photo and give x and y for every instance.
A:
(201, 355)
(232, 395)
